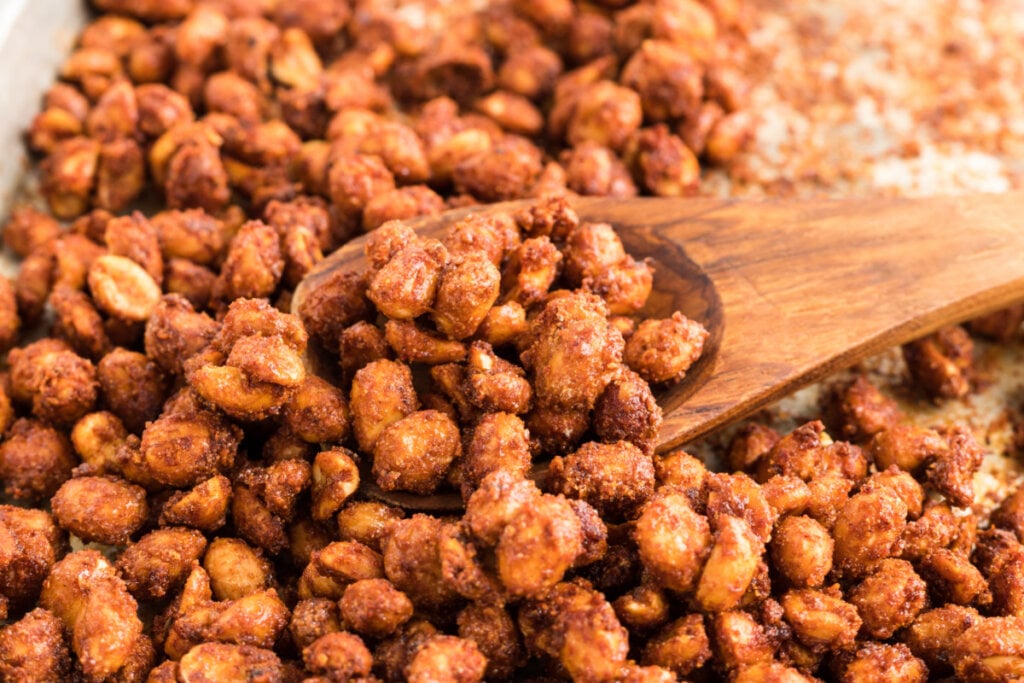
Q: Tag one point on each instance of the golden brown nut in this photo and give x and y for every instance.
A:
(989, 650)
(447, 659)
(338, 656)
(337, 565)
(499, 441)
(681, 646)
(889, 599)
(740, 641)
(468, 287)
(868, 530)
(627, 411)
(593, 169)
(673, 540)
(574, 353)
(134, 387)
(737, 495)
(933, 633)
(367, 522)
(415, 452)
(31, 543)
(605, 113)
(222, 661)
(59, 384)
(730, 566)
(68, 176)
(95, 607)
(538, 545)
(374, 607)
(880, 662)
(382, 393)
(29, 229)
(820, 619)
(942, 363)
(175, 332)
(236, 569)
(530, 270)
(32, 285)
(33, 649)
(134, 237)
(494, 631)
(952, 576)
(123, 289)
(313, 618)
(103, 509)
(96, 438)
(160, 561)
(354, 180)
(663, 350)
(801, 550)
(412, 562)
(617, 479)
(414, 344)
(405, 287)
(204, 507)
(503, 170)
(859, 411)
(181, 449)
(76, 321)
(35, 460)
(576, 625)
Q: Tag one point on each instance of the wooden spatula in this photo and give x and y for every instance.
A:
(794, 290)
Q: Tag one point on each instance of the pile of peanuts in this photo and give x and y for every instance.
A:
(192, 501)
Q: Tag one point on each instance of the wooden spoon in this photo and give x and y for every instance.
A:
(792, 291)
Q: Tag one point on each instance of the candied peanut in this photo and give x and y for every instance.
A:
(313, 618)
(33, 648)
(374, 607)
(538, 544)
(414, 453)
(102, 509)
(253, 265)
(801, 550)
(933, 633)
(28, 229)
(32, 284)
(339, 656)
(505, 170)
(35, 460)
(31, 543)
(663, 350)
(989, 650)
(68, 176)
(880, 662)
(684, 473)
(160, 561)
(953, 577)
(367, 522)
(317, 411)
(190, 280)
(337, 565)
(673, 540)
(447, 659)
(667, 78)
(133, 386)
(77, 321)
(121, 174)
(820, 619)
(96, 438)
(730, 566)
(184, 449)
(414, 344)
(122, 288)
(736, 495)
(681, 646)
(412, 563)
(406, 286)
(222, 661)
(860, 411)
(499, 441)
(530, 271)
(868, 530)
(494, 631)
(593, 169)
(951, 473)
(175, 332)
(616, 478)
(942, 363)
(335, 478)
(605, 113)
(577, 625)
(889, 598)
(235, 568)
(564, 374)
(60, 384)
(353, 180)
(382, 393)
(627, 411)
(85, 593)
(204, 507)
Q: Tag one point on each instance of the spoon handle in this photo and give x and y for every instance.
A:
(808, 287)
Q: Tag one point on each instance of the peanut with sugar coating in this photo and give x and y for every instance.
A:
(33, 648)
(160, 561)
(663, 350)
(682, 646)
(538, 545)
(235, 568)
(35, 460)
(801, 549)
(382, 393)
(85, 593)
(415, 452)
(374, 607)
(122, 288)
(673, 541)
(102, 509)
(617, 479)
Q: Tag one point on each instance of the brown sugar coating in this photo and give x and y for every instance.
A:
(617, 479)
(103, 509)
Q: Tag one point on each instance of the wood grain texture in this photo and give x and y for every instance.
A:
(794, 290)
